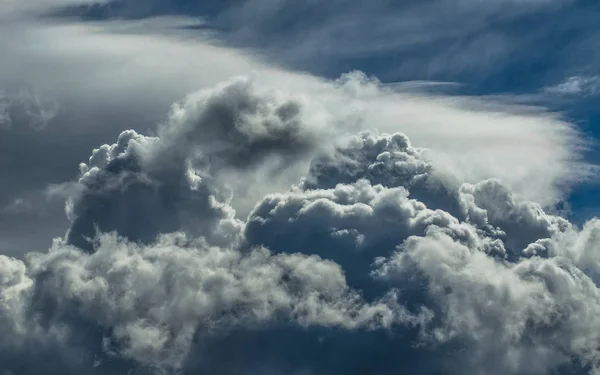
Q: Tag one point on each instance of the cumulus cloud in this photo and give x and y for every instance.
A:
(127, 188)
(426, 251)
(144, 186)
(511, 309)
(373, 248)
(154, 301)
(238, 125)
(526, 317)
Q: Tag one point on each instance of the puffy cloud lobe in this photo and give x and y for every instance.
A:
(238, 124)
(372, 254)
(22, 340)
(528, 317)
(351, 224)
(14, 282)
(125, 188)
(580, 246)
(492, 207)
(144, 186)
(389, 160)
(154, 301)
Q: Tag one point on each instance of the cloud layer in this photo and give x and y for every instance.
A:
(378, 257)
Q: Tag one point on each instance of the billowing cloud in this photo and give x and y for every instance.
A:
(531, 316)
(144, 186)
(289, 224)
(377, 250)
(155, 301)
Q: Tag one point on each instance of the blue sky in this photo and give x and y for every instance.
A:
(311, 188)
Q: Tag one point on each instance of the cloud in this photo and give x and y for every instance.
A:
(474, 138)
(577, 85)
(371, 242)
(184, 179)
(144, 186)
(26, 108)
(466, 40)
(17, 206)
(154, 301)
(380, 224)
(237, 125)
(511, 318)
(126, 188)
(508, 309)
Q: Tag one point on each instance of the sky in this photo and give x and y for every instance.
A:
(285, 187)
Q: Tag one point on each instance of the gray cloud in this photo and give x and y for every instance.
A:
(470, 39)
(156, 300)
(528, 317)
(127, 188)
(144, 186)
(237, 125)
(347, 254)
(380, 250)
(26, 108)
(511, 310)
(384, 257)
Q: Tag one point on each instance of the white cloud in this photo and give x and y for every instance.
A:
(577, 85)
(144, 73)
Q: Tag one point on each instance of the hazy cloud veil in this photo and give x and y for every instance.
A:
(279, 223)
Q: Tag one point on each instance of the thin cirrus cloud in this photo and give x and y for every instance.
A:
(484, 43)
(577, 85)
(277, 222)
(28, 108)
